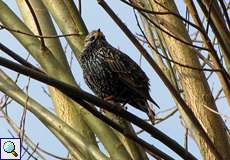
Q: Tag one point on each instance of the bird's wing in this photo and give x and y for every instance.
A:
(128, 72)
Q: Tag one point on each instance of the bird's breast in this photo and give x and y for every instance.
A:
(98, 76)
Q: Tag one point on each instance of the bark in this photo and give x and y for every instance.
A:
(224, 81)
(72, 19)
(64, 106)
(72, 113)
(51, 121)
(195, 87)
(218, 25)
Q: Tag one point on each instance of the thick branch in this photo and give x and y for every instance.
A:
(77, 94)
(174, 92)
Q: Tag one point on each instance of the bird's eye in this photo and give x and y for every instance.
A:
(92, 38)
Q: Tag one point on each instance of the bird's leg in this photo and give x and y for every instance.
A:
(108, 98)
(151, 115)
(126, 101)
(123, 104)
(112, 97)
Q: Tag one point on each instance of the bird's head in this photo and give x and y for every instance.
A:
(94, 38)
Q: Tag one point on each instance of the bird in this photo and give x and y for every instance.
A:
(113, 75)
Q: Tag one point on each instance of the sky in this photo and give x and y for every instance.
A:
(94, 17)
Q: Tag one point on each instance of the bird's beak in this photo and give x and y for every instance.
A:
(98, 34)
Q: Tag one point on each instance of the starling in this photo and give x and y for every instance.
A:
(113, 75)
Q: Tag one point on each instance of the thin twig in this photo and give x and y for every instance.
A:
(29, 142)
(46, 92)
(218, 94)
(224, 74)
(214, 28)
(209, 16)
(170, 60)
(161, 119)
(26, 150)
(31, 154)
(162, 13)
(187, 15)
(172, 35)
(225, 12)
(23, 119)
(217, 113)
(43, 46)
(39, 36)
(186, 139)
(169, 12)
(79, 7)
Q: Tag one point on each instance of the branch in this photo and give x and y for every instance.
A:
(221, 40)
(16, 57)
(162, 13)
(224, 76)
(31, 145)
(170, 60)
(79, 7)
(166, 81)
(36, 23)
(225, 12)
(77, 94)
(70, 138)
(170, 114)
(39, 36)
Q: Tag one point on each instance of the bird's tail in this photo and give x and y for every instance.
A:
(155, 103)
(142, 104)
(151, 113)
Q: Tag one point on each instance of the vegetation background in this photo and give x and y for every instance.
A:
(45, 136)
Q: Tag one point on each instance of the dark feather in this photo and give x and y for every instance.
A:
(110, 72)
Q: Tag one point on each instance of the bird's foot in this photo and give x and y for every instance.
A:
(109, 98)
(123, 105)
(102, 110)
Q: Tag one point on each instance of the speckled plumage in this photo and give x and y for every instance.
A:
(109, 72)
